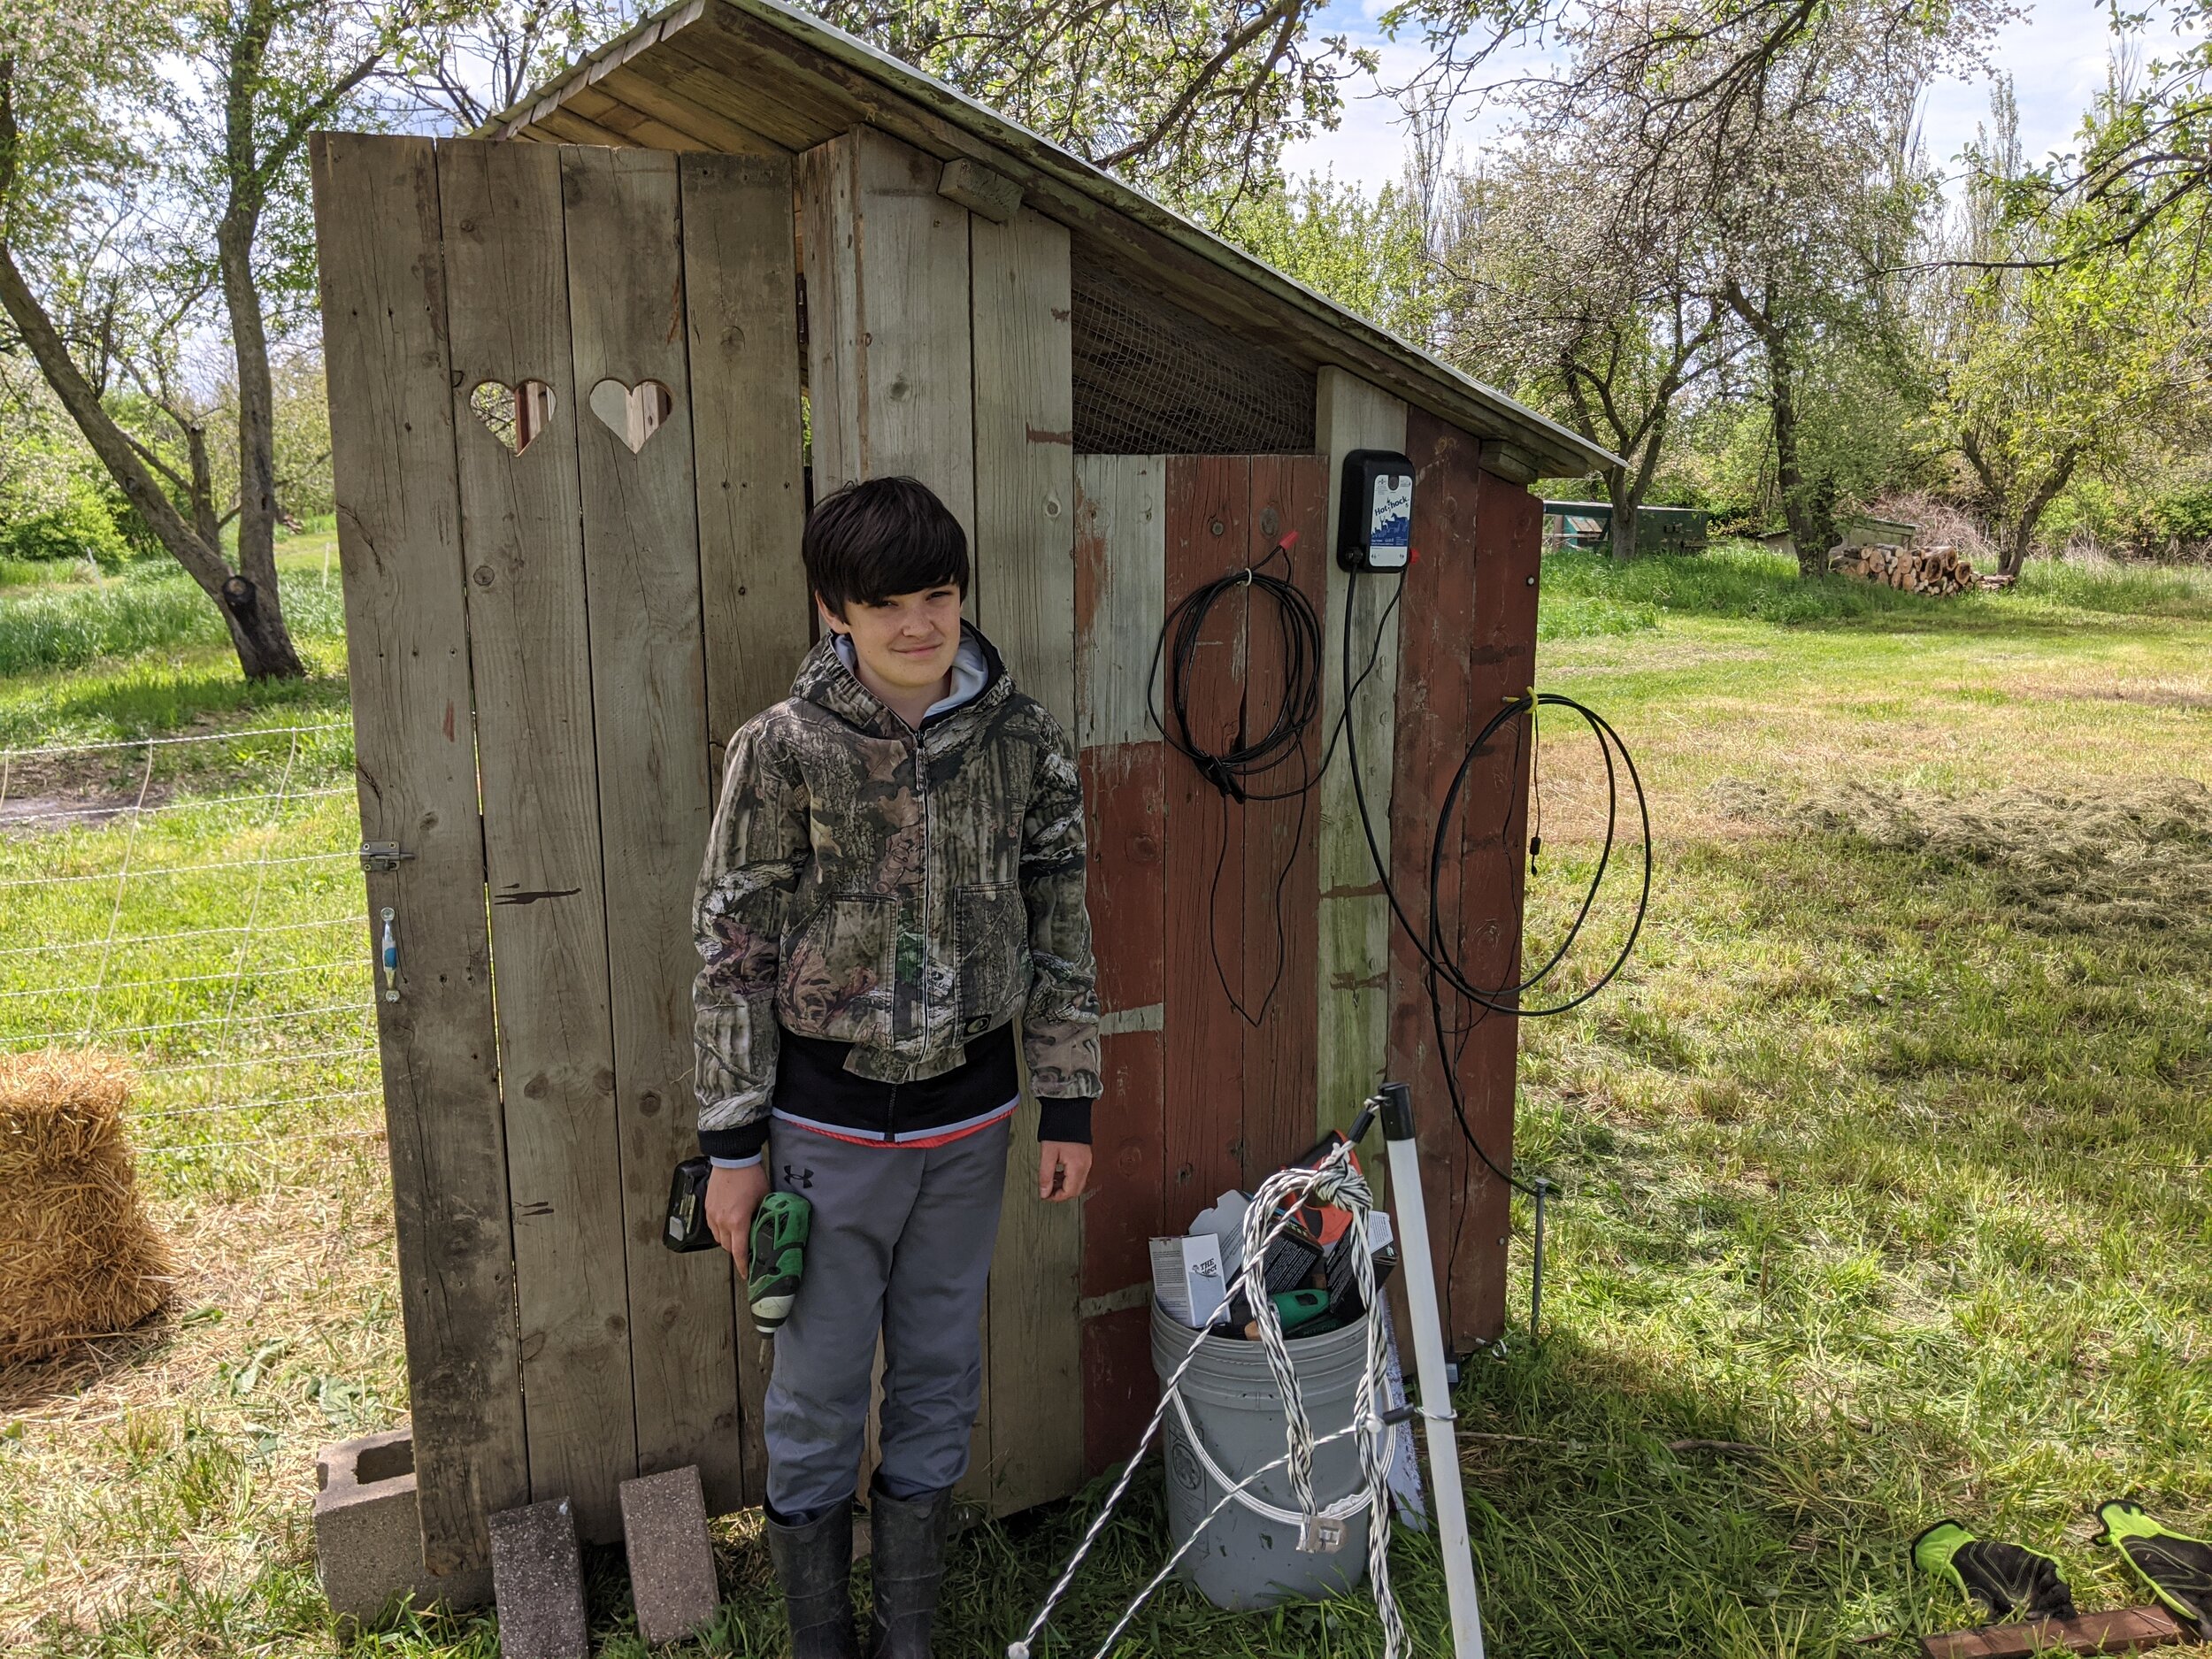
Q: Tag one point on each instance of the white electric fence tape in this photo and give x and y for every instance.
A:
(1334, 1180)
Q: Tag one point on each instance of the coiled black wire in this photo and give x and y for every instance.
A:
(1299, 629)
(1231, 770)
(1441, 967)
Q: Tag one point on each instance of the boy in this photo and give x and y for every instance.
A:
(895, 876)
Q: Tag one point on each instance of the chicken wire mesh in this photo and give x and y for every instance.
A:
(193, 904)
(1151, 378)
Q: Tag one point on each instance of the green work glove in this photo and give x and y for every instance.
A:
(2178, 1568)
(2002, 1577)
(775, 1256)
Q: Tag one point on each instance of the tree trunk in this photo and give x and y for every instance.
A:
(257, 625)
(2019, 535)
(264, 644)
(1622, 489)
(1810, 509)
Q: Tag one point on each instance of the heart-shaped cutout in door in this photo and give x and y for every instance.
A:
(514, 414)
(633, 413)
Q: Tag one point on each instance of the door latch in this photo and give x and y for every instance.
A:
(381, 858)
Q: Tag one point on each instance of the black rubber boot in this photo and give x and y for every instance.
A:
(814, 1565)
(909, 1559)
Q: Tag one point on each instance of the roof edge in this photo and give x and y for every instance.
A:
(1562, 451)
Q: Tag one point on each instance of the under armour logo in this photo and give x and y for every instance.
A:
(795, 1177)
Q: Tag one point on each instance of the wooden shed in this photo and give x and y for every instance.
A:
(734, 259)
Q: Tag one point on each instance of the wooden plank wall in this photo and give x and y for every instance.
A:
(1467, 633)
(529, 637)
(399, 538)
(572, 631)
(1120, 575)
(1354, 963)
(741, 279)
(1201, 907)
(1024, 564)
(648, 692)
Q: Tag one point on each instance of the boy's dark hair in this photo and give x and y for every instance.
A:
(879, 537)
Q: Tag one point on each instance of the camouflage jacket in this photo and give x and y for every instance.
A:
(903, 892)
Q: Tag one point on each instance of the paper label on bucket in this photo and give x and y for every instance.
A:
(1188, 1279)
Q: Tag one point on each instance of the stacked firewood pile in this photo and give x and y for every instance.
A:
(1941, 569)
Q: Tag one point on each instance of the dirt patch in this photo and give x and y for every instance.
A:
(2132, 855)
(37, 814)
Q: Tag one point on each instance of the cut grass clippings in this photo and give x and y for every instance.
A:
(1882, 1187)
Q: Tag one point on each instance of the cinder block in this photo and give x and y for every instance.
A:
(672, 1560)
(368, 1531)
(538, 1577)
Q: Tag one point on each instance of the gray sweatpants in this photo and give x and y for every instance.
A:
(900, 1243)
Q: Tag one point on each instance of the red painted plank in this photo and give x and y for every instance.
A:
(1119, 1386)
(1123, 1211)
(1125, 798)
(1290, 496)
(1502, 656)
(1208, 498)
(1435, 696)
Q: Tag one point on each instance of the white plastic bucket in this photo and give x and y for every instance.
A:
(1247, 1560)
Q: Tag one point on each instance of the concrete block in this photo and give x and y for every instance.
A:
(538, 1577)
(368, 1531)
(672, 1560)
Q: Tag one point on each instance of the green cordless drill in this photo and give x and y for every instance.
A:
(775, 1257)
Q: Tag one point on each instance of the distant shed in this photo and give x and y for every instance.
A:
(730, 229)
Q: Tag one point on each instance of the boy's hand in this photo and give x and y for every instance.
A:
(732, 1197)
(1064, 1169)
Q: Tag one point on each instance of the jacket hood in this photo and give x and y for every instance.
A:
(824, 681)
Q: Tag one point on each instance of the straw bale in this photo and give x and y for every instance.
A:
(78, 1256)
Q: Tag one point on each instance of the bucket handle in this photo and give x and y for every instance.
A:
(1342, 1509)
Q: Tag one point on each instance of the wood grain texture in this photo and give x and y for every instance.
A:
(537, 763)
(1024, 564)
(391, 415)
(1120, 575)
(709, 129)
(1436, 697)
(741, 279)
(648, 685)
(1277, 912)
(1208, 508)
(890, 372)
(1353, 966)
(890, 385)
(1121, 1388)
(1508, 545)
(1121, 569)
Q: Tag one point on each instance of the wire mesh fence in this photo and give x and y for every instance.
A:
(193, 904)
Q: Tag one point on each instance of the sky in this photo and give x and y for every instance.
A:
(2055, 53)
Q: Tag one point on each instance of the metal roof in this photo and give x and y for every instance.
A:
(758, 75)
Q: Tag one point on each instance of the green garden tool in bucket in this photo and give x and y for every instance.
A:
(775, 1256)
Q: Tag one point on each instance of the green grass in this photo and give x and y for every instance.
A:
(1884, 1167)
(51, 621)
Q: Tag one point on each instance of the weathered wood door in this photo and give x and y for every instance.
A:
(566, 418)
